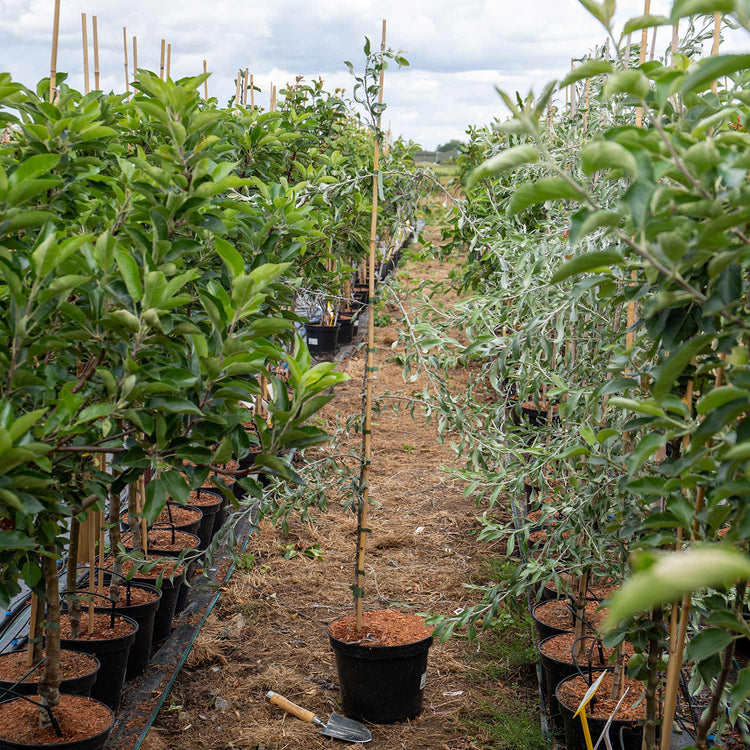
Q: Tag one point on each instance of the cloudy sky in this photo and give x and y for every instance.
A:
(458, 49)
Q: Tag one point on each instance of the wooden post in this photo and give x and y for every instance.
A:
(367, 430)
(237, 93)
(53, 59)
(92, 529)
(95, 29)
(85, 42)
(205, 83)
(653, 44)
(244, 93)
(135, 57)
(33, 631)
(252, 92)
(715, 48)
(572, 92)
(125, 48)
(675, 40)
(169, 61)
(270, 97)
(161, 61)
(644, 45)
(627, 51)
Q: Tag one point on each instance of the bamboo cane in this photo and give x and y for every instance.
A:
(644, 45)
(270, 97)
(205, 83)
(142, 500)
(85, 43)
(135, 57)
(53, 58)
(125, 48)
(95, 31)
(627, 51)
(363, 516)
(252, 92)
(237, 93)
(572, 92)
(653, 44)
(715, 48)
(586, 111)
(161, 61)
(169, 61)
(244, 93)
(91, 539)
(32, 631)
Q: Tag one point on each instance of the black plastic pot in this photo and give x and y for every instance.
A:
(211, 511)
(145, 616)
(346, 331)
(321, 339)
(167, 604)
(74, 686)
(191, 527)
(113, 655)
(381, 684)
(542, 629)
(95, 742)
(625, 734)
(192, 542)
(182, 594)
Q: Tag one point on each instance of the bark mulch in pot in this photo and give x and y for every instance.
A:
(178, 515)
(78, 717)
(571, 692)
(556, 614)
(138, 596)
(559, 647)
(205, 497)
(382, 627)
(72, 663)
(165, 569)
(101, 631)
(161, 539)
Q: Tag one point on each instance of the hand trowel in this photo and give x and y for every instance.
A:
(338, 727)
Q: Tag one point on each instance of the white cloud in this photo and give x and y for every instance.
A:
(459, 50)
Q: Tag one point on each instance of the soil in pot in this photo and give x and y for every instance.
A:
(322, 339)
(210, 503)
(167, 542)
(140, 602)
(597, 590)
(169, 592)
(182, 517)
(78, 673)
(570, 693)
(111, 645)
(383, 667)
(85, 723)
(555, 616)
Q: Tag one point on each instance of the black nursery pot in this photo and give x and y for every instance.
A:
(542, 629)
(381, 684)
(74, 686)
(625, 734)
(145, 616)
(322, 339)
(167, 604)
(95, 742)
(211, 512)
(113, 655)
(346, 331)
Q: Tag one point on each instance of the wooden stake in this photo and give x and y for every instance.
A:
(169, 61)
(33, 631)
(715, 48)
(586, 111)
(53, 59)
(644, 45)
(653, 44)
(161, 62)
(270, 98)
(675, 40)
(125, 48)
(237, 93)
(135, 57)
(205, 83)
(93, 525)
(252, 92)
(96, 53)
(85, 41)
(244, 93)
(627, 51)
(367, 430)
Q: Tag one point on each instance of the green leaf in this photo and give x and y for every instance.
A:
(646, 447)
(603, 12)
(644, 22)
(174, 405)
(709, 69)
(15, 540)
(598, 261)
(156, 499)
(677, 362)
(24, 423)
(507, 159)
(719, 396)
(588, 69)
(232, 259)
(707, 643)
(682, 8)
(33, 167)
(607, 155)
(739, 694)
(130, 273)
(632, 82)
(676, 574)
(548, 188)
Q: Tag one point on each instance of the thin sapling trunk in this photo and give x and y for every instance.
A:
(71, 579)
(652, 684)
(114, 544)
(580, 619)
(133, 519)
(49, 685)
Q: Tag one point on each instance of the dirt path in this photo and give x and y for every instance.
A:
(268, 631)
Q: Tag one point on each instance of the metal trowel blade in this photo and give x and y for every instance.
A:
(348, 730)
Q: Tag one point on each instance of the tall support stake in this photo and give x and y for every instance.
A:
(85, 43)
(135, 58)
(252, 92)
(644, 45)
(362, 531)
(125, 48)
(244, 92)
(163, 55)
(169, 60)
(53, 58)
(237, 93)
(205, 83)
(715, 48)
(95, 29)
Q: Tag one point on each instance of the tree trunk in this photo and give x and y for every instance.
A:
(133, 520)
(49, 685)
(71, 579)
(652, 703)
(580, 619)
(617, 674)
(114, 544)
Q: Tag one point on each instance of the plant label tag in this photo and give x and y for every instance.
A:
(314, 342)
(423, 681)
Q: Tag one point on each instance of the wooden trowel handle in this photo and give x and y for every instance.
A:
(291, 708)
